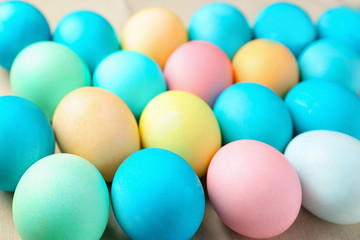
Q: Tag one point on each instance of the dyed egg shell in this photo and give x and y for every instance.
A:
(21, 25)
(254, 189)
(184, 124)
(341, 23)
(201, 68)
(155, 32)
(286, 23)
(97, 125)
(157, 195)
(45, 72)
(89, 35)
(252, 111)
(26, 136)
(221, 24)
(331, 60)
(268, 63)
(62, 196)
(324, 105)
(132, 76)
(328, 165)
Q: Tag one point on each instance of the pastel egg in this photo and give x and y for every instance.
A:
(88, 34)
(331, 60)
(254, 189)
(201, 68)
(324, 105)
(62, 196)
(21, 25)
(221, 24)
(132, 76)
(341, 23)
(155, 32)
(286, 23)
(328, 166)
(268, 63)
(157, 195)
(26, 136)
(252, 111)
(97, 125)
(45, 72)
(184, 124)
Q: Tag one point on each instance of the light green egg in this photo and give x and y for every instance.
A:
(45, 72)
(61, 196)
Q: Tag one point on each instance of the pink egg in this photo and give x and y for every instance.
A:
(201, 68)
(254, 189)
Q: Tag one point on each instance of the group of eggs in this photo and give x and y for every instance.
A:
(105, 104)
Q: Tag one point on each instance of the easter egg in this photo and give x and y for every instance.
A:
(45, 72)
(62, 196)
(97, 125)
(21, 25)
(252, 111)
(201, 68)
(331, 60)
(328, 165)
(184, 124)
(155, 32)
(221, 24)
(341, 23)
(286, 23)
(254, 189)
(88, 34)
(26, 136)
(132, 76)
(157, 195)
(324, 105)
(268, 63)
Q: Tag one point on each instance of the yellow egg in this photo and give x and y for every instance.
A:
(155, 32)
(97, 125)
(184, 124)
(268, 63)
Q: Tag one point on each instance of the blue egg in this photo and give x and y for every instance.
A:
(157, 195)
(21, 24)
(331, 60)
(89, 35)
(285, 23)
(324, 105)
(328, 166)
(341, 23)
(221, 24)
(252, 111)
(26, 136)
(132, 76)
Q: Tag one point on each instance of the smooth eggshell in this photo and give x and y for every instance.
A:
(201, 68)
(254, 189)
(328, 165)
(98, 126)
(184, 124)
(155, 32)
(268, 63)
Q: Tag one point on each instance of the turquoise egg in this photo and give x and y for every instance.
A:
(61, 196)
(252, 111)
(157, 195)
(328, 166)
(26, 136)
(132, 76)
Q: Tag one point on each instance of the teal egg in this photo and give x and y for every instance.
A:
(61, 196)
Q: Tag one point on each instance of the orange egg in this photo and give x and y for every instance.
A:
(268, 63)
(97, 125)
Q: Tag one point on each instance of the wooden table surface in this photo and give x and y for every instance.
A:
(306, 225)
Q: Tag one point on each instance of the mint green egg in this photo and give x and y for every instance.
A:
(45, 72)
(61, 196)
